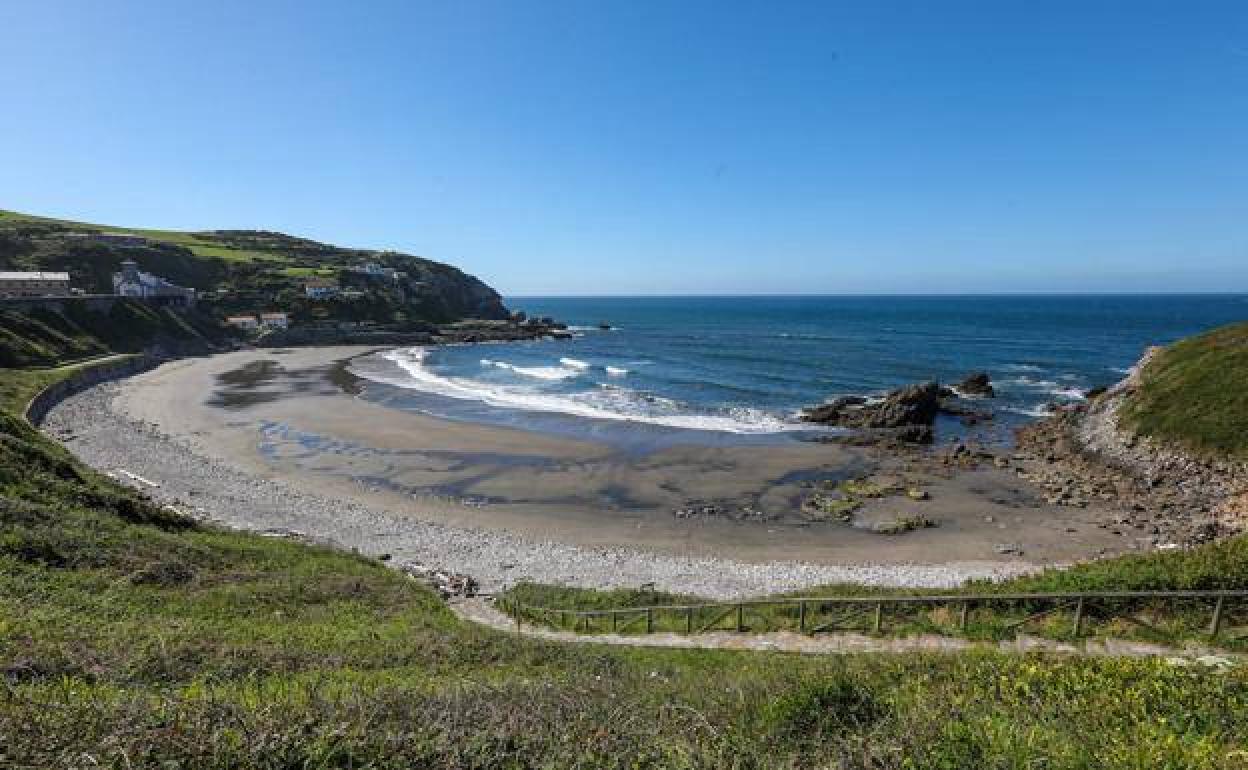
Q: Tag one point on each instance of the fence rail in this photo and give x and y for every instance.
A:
(813, 615)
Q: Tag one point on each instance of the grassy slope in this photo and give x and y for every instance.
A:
(1195, 394)
(201, 244)
(135, 638)
(256, 270)
(46, 338)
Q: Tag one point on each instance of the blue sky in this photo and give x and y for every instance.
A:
(659, 147)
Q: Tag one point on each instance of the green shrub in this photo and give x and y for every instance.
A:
(824, 708)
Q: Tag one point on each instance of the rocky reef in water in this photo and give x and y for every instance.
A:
(905, 415)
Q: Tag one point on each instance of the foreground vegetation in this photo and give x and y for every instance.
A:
(1193, 393)
(132, 637)
(1217, 566)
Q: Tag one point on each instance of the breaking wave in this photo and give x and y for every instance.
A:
(537, 372)
(606, 402)
(1051, 387)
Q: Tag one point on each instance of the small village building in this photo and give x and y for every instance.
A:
(34, 284)
(274, 320)
(372, 268)
(376, 270)
(320, 288)
(132, 282)
(247, 323)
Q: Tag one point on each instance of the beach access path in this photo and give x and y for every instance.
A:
(482, 611)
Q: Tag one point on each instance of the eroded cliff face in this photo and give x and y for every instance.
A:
(1169, 495)
(449, 291)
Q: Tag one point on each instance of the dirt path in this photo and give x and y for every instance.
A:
(483, 612)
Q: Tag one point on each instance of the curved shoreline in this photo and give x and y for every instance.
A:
(228, 494)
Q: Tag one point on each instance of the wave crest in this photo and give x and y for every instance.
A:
(604, 403)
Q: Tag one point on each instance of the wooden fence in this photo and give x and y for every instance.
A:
(812, 615)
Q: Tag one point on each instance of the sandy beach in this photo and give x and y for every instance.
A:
(270, 440)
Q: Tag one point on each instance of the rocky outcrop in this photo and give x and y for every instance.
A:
(1167, 495)
(830, 412)
(906, 414)
(978, 384)
(969, 415)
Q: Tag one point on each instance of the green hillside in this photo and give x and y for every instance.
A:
(1195, 393)
(45, 337)
(131, 637)
(251, 271)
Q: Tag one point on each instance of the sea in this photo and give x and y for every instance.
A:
(647, 371)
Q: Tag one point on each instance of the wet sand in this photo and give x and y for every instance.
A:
(284, 416)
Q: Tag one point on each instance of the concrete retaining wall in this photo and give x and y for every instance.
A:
(84, 378)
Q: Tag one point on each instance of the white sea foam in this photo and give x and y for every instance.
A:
(574, 363)
(616, 371)
(1023, 368)
(1051, 387)
(606, 403)
(1036, 410)
(538, 372)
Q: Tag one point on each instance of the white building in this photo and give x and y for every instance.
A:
(373, 268)
(274, 320)
(247, 323)
(376, 270)
(132, 282)
(320, 288)
(33, 284)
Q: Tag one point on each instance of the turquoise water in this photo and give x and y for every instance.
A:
(743, 366)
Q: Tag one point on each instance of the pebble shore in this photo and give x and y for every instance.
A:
(211, 490)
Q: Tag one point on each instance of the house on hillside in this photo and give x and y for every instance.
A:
(320, 288)
(274, 320)
(34, 284)
(247, 323)
(375, 270)
(372, 268)
(132, 282)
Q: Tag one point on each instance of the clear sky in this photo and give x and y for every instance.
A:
(601, 147)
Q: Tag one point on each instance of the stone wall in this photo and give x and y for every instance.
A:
(84, 378)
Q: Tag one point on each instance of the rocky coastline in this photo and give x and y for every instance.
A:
(1163, 496)
(1079, 457)
(466, 331)
(1170, 495)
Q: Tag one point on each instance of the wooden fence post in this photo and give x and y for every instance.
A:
(688, 620)
(801, 617)
(964, 616)
(1215, 625)
(740, 617)
(1078, 617)
(649, 620)
(879, 617)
